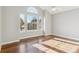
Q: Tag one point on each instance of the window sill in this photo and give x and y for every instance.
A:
(30, 31)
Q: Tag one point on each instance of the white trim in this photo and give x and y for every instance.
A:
(19, 39)
(9, 42)
(33, 36)
(72, 38)
(29, 36)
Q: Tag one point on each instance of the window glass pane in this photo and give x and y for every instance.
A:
(32, 22)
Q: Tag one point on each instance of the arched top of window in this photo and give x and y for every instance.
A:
(32, 10)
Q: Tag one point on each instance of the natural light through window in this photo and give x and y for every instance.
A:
(30, 20)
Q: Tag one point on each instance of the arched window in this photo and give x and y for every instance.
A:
(31, 20)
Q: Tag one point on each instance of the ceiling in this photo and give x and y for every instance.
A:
(58, 9)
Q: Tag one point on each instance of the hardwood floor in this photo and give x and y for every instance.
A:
(25, 45)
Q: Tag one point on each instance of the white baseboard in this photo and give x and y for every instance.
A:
(9, 42)
(19, 39)
(33, 36)
(29, 36)
(75, 39)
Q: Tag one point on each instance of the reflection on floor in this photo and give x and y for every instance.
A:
(42, 44)
(57, 44)
(43, 48)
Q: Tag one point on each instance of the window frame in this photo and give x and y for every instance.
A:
(25, 18)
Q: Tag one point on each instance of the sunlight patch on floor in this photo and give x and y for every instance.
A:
(59, 44)
(44, 49)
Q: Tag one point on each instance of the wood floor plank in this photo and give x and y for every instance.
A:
(25, 45)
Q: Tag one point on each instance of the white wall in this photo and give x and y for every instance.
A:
(10, 24)
(66, 24)
(48, 24)
(0, 26)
